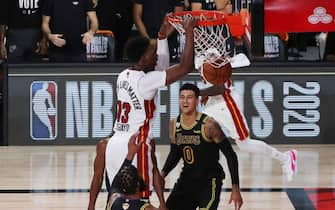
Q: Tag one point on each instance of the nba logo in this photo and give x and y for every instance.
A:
(43, 110)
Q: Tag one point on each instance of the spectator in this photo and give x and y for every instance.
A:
(114, 15)
(149, 15)
(330, 47)
(23, 37)
(219, 5)
(187, 5)
(65, 25)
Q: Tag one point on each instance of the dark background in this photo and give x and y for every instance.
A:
(254, 83)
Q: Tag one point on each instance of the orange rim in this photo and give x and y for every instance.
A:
(219, 17)
(105, 32)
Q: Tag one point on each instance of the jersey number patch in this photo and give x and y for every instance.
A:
(123, 109)
(188, 155)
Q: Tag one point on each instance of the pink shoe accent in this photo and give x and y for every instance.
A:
(294, 158)
(293, 155)
(292, 166)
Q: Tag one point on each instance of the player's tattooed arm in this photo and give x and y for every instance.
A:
(213, 131)
(212, 91)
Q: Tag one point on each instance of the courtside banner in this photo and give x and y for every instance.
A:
(75, 104)
(299, 16)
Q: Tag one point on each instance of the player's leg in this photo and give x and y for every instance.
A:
(116, 151)
(287, 159)
(260, 147)
(107, 182)
(230, 116)
(209, 196)
(180, 197)
(145, 167)
(240, 132)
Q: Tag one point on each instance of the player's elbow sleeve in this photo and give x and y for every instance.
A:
(232, 160)
(172, 159)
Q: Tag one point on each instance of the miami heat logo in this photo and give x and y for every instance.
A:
(43, 110)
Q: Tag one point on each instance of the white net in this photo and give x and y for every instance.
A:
(210, 41)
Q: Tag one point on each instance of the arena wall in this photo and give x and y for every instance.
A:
(284, 103)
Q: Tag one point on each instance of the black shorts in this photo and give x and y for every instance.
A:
(188, 195)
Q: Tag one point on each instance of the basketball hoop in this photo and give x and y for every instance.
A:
(210, 35)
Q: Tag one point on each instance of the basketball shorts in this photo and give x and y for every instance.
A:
(227, 110)
(188, 194)
(116, 151)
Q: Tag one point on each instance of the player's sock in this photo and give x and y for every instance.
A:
(260, 147)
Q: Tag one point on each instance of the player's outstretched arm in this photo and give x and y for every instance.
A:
(163, 55)
(214, 132)
(173, 156)
(186, 64)
(99, 168)
(133, 147)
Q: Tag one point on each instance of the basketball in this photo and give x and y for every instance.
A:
(216, 76)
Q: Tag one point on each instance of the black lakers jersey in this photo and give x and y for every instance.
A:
(201, 156)
(122, 203)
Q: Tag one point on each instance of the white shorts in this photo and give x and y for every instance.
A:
(116, 151)
(227, 110)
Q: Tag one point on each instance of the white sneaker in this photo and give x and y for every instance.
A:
(290, 166)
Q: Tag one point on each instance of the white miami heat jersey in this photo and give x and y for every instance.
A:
(136, 93)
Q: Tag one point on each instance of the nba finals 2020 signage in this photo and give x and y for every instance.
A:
(79, 108)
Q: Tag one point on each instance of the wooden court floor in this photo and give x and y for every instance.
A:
(58, 177)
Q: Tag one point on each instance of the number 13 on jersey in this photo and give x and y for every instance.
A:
(123, 109)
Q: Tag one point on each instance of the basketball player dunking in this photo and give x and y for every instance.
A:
(136, 91)
(224, 105)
